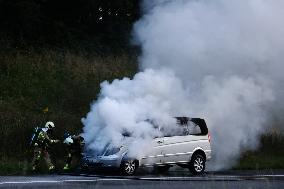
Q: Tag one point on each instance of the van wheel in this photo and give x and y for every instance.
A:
(162, 169)
(129, 167)
(197, 164)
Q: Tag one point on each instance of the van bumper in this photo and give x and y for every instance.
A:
(208, 155)
(102, 162)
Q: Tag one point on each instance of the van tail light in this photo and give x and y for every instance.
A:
(209, 137)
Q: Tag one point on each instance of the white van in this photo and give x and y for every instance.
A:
(189, 148)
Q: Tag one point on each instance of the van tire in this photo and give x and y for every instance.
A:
(129, 166)
(197, 164)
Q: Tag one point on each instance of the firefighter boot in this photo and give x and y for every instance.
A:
(34, 168)
(51, 169)
(66, 167)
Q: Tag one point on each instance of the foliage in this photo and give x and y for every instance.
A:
(39, 86)
(270, 154)
(54, 55)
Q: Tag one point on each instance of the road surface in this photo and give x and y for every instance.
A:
(172, 180)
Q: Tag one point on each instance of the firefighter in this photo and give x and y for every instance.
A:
(74, 145)
(41, 142)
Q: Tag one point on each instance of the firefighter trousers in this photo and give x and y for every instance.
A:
(38, 153)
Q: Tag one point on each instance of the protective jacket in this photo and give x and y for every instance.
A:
(75, 145)
(40, 142)
(43, 140)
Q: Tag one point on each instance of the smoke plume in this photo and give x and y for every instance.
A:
(220, 60)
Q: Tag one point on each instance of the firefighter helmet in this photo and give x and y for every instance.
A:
(68, 139)
(49, 125)
(66, 135)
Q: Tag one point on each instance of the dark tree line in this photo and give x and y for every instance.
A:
(67, 22)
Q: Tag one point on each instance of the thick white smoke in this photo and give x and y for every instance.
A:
(220, 60)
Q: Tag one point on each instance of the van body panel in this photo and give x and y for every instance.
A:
(162, 151)
(176, 149)
(180, 148)
(154, 153)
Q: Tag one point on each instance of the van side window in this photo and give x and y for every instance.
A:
(178, 130)
(194, 129)
(184, 126)
(182, 130)
(189, 129)
(193, 126)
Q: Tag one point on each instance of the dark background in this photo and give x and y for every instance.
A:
(97, 25)
(53, 56)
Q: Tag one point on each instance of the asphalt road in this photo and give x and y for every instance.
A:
(172, 180)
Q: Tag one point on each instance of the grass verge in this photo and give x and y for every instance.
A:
(270, 154)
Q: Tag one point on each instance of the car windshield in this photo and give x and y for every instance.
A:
(111, 151)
